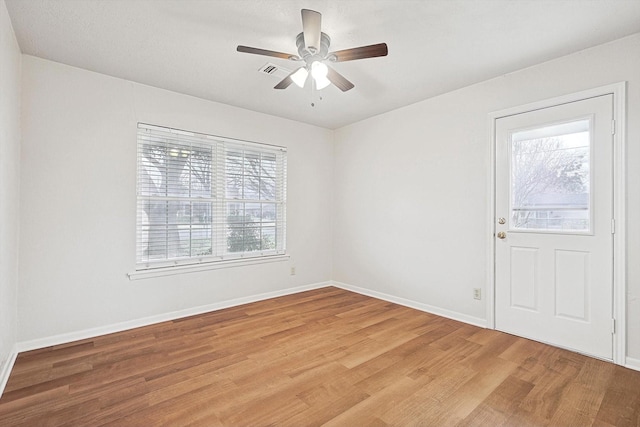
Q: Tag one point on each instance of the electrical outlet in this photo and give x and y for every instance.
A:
(293, 271)
(477, 293)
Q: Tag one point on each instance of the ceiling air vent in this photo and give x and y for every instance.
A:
(269, 69)
(274, 70)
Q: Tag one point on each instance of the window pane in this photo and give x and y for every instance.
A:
(178, 229)
(252, 238)
(268, 238)
(200, 160)
(251, 163)
(253, 212)
(235, 238)
(151, 169)
(267, 189)
(251, 187)
(177, 170)
(149, 246)
(269, 165)
(235, 213)
(157, 243)
(268, 212)
(201, 229)
(153, 222)
(550, 178)
(233, 162)
(233, 188)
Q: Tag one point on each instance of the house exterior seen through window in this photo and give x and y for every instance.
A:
(202, 198)
(551, 178)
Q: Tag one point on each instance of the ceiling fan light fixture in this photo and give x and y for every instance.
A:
(300, 76)
(322, 82)
(319, 72)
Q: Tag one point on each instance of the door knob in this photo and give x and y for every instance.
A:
(501, 235)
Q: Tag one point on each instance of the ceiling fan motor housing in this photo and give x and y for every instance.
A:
(310, 57)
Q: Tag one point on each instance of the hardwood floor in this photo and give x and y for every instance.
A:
(326, 356)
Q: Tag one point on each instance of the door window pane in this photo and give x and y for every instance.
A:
(550, 177)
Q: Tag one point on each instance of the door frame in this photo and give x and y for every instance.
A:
(619, 298)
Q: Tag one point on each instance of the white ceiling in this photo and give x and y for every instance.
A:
(435, 46)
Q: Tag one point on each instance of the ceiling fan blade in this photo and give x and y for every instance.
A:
(338, 80)
(257, 51)
(362, 52)
(311, 22)
(286, 82)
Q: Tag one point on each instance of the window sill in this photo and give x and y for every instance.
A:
(214, 265)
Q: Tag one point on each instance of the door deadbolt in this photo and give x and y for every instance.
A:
(501, 220)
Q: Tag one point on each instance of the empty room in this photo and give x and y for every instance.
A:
(320, 212)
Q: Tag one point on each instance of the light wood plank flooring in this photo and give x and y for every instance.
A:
(326, 356)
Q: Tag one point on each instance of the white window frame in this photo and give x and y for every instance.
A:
(220, 200)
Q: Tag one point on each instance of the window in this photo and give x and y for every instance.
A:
(550, 178)
(203, 198)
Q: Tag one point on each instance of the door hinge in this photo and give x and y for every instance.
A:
(613, 226)
(613, 326)
(613, 127)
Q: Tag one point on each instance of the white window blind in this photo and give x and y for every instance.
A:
(203, 198)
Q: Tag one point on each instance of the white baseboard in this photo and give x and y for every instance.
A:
(146, 321)
(476, 321)
(5, 369)
(632, 363)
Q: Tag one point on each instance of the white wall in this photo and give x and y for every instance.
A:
(79, 202)
(10, 59)
(411, 204)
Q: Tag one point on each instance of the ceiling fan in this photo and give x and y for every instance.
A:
(313, 50)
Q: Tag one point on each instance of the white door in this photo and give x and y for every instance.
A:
(554, 241)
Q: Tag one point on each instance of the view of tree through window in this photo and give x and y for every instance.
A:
(205, 198)
(550, 179)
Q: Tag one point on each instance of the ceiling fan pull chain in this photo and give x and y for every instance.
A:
(312, 92)
(315, 94)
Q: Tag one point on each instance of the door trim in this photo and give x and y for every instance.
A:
(619, 298)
